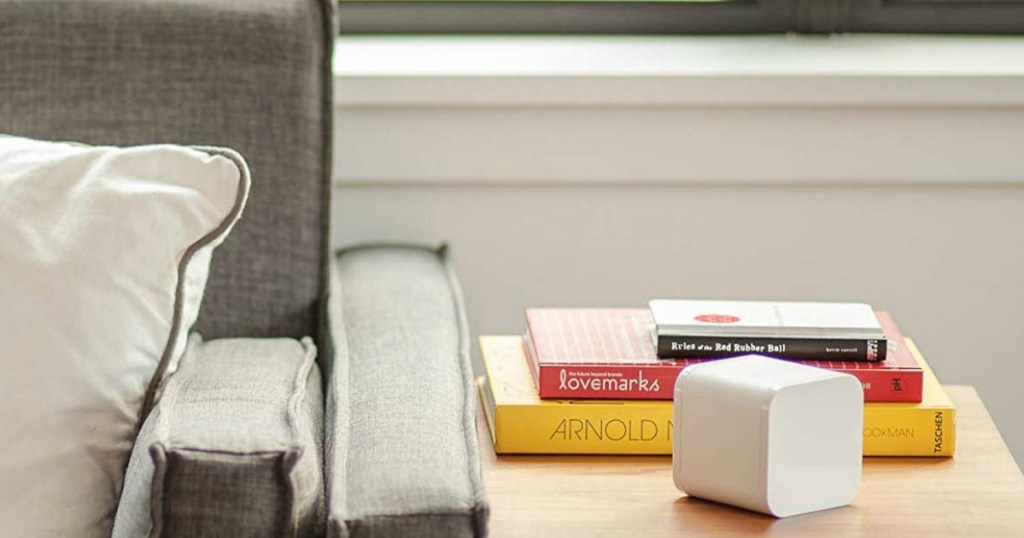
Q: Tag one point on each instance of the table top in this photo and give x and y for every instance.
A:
(980, 492)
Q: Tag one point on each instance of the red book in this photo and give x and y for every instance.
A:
(609, 354)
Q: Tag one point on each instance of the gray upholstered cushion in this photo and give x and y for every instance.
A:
(402, 451)
(233, 448)
(252, 76)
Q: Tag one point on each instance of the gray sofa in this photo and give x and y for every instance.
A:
(399, 448)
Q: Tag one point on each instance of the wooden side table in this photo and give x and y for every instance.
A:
(978, 493)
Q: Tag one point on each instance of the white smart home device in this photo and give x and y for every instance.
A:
(768, 435)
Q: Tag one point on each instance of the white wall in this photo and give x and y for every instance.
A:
(946, 261)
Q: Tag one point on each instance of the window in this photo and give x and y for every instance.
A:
(682, 16)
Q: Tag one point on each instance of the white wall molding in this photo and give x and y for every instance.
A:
(761, 109)
(678, 91)
(852, 109)
(695, 71)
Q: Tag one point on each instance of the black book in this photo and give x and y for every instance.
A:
(818, 349)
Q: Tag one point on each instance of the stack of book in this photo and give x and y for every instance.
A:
(600, 381)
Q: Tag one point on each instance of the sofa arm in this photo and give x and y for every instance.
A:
(402, 455)
(232, 448)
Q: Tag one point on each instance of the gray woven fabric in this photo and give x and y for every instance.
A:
(252, 76)
(233, 448)
(401, 443)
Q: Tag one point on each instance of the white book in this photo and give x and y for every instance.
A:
(765, 319)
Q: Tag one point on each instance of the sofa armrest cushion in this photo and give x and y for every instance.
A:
(233, 448)
(401, 439)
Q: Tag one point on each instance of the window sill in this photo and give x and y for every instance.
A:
(851, 70)
(631, 110)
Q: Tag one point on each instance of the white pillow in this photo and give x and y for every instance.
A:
(104, 256)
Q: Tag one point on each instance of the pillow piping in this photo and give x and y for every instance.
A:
(244, 182)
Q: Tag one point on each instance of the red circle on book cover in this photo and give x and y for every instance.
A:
(716, 318)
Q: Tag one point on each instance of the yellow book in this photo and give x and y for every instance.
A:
(522, 423)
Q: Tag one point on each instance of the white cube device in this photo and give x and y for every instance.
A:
(768, 435)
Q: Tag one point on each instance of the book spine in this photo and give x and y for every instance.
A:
(631, 382)
(583, 429)
(909, 431)
(901, 386)
(607, 382)
(714, 347)
(648, 429)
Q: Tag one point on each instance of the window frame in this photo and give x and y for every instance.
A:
(936, 17)
(692, 18)
(567, 17)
